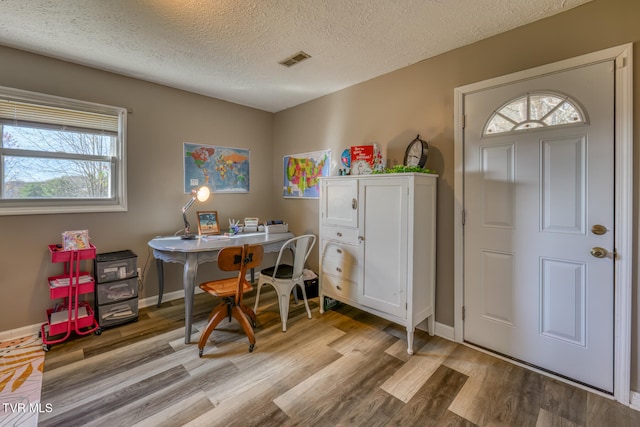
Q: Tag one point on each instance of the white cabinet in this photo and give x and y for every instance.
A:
(377, 246)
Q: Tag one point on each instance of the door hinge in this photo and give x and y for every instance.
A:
(406, 306)
(463, 313)
(464, 121)
(464, 216)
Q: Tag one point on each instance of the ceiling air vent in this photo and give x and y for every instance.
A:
(295, 58)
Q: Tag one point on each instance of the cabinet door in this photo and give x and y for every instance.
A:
(340, 202)
(383, 223)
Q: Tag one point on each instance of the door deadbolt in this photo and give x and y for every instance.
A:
(599, 252)
(598, 229)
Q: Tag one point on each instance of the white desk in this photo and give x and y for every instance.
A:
(191, 253)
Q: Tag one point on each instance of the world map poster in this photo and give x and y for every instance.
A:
(223, 169)
(302, 173)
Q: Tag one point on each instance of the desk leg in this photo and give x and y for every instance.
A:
(189, 279)
(160, 269)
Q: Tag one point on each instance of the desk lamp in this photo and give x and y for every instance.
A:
(201, 194)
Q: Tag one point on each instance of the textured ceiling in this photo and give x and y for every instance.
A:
(230, 49)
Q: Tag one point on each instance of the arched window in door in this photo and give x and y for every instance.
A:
(535, 110)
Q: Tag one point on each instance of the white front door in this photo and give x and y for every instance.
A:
(533, 290)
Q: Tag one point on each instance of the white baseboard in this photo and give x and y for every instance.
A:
(635, 400)
(34, 329)
(149, 301)
(445, 331)
(24, 331)
(442, 330)
(29, 330)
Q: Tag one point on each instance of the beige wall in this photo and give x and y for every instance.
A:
(389, 110)
(161, 119)
(393, 108)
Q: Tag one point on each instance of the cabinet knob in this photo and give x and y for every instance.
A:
(338, 287)
(339, 251)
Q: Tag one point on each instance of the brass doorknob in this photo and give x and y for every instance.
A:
(598, 229)
(599, 252)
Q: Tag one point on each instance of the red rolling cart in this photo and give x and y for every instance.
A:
(70, 314)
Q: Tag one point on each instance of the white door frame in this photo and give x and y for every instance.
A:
(623, 56)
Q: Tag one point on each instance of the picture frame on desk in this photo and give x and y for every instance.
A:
(208, 223)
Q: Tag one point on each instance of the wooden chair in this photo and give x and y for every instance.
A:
(233, 258)
(284, 277)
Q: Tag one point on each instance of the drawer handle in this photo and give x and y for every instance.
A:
(339, 234)
(338, 287)
(354, 204)
(338, 269)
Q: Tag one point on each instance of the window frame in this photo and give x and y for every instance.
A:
(518, 126)
(118, 203)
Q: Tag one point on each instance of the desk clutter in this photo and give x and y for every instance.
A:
(276, 226)
(252, 225)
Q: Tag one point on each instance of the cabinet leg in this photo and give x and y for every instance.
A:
(410, 340)
(431, 325)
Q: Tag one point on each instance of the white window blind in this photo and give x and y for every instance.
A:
(18, 113)
(59, 155)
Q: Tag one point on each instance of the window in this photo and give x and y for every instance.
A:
(534, 110)
(59, 155)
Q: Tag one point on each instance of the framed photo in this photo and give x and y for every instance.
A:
(208, 223)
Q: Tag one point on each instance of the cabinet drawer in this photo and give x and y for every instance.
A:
(340, 234)
(339, 288)
(340, 260)
(116, 291)
(115, 266)
(112, 314)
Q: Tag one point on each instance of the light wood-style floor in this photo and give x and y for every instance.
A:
(342, 368)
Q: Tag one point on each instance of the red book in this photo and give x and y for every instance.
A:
(362, 159)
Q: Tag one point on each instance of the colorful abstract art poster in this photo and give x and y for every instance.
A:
(302, 174)
(21, 371)
(223, 169)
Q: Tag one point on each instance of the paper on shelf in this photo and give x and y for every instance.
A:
(64, 281)
(63, 316)
(118, 313)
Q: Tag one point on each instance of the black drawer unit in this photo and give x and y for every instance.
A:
(116, 290)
